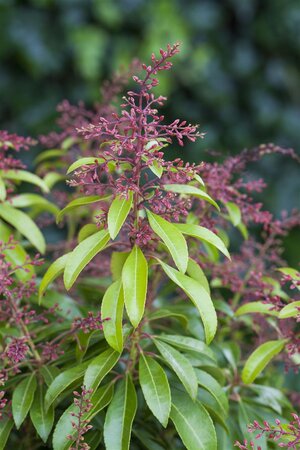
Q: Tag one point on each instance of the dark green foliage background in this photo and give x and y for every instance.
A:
(238, 73)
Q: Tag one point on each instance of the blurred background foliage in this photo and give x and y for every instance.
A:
(237, 75)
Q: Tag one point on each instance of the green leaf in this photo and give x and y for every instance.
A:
(86, 231)
(23, 175)
(101, 398)
(181, 366)
(168, 314)
(156, 168)
(42, 420)
(290, 310)
(199, 296)
(293, 273)
(203, 234)
(120, 415)
(52, 178)
(135, 280)
(84, 162)
(118, 212)
(116, 264)
(2, 190)
(155, 387)
(82, 255)
(25, 225)
(17, 255)
(99, 367)
(22, 399)
(190, 190)
(192, 423)
(27, 200)
(173, 239)
(81, 201)
(53, 271)
(213, 387)
(234, 213)
(6, 424)
(195, 271)
(256, 307)
(258, 360)
(62, 381)
(186, 343)
(48, 154)
(112, 309)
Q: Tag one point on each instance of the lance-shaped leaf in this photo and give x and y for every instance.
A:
(199, 296)
(190, 190)
(120, 415)
(27, 200)
(112, 309)
(101, 398)
(116, 264)
(2, 190)
(234, 213)
(258, 360)
(82, 201)
(25, 225)
(42, 420)
(49, 154)
(118, 212)
(99, 367)
(22, 399)
(195, 271)
(53, 271)
(86, 231)
(6, 424)
(181, 366)
(82, 255)
(203, 234)
(213, 387)
(192, 423)
(256, 307)
(290, 310)
(51, 178)
(23, 175)
(173, 239)
(155, 387)
(186, 343)
(89, 160)
(62, 381)
(135, 280)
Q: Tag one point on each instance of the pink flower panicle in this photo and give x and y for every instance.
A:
(90, 323)
(81, 424)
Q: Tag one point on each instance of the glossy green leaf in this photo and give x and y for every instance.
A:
(116, 264)
(195, 271)
(63, 381)
(192, 423)
(27, 200)
(173, 239)
(6, 424)
(84, 162)
(181, 366)
(200, 298)
(25, 225)
(155, 387)
(99, 367)
(81, 201)
(48, 154)
(168, 314)
(17, 255)
(203, 234)
(112, 309)
(22, 399)
(86, 231)
(213, 387)
(117, 214)
(199, 179)
(186, 343)
(256, 307)
(52, 178)
(2, 190)
(290, 310)
(53, 271)
(101, 398)
(135, 280)
(82, 255)
(234, 213)
(190, 190)
(23, 175)
(42, 420)
(120, 415)
(258, 360)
